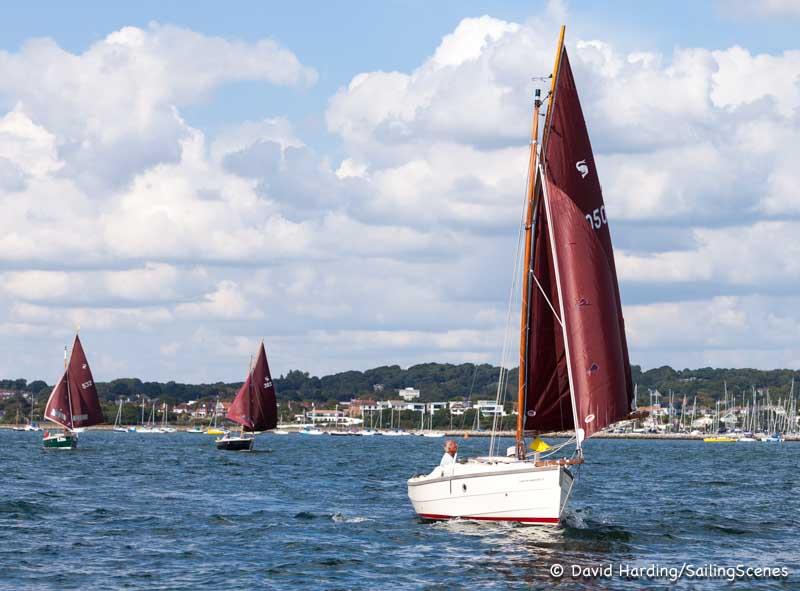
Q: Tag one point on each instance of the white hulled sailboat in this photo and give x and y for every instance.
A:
(574, 369)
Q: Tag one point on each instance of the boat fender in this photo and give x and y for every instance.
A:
(464, 487)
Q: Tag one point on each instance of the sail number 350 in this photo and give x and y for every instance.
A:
(597, 218)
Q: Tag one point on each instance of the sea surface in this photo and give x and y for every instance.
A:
(169, 511)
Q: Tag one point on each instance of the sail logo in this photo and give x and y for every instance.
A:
(85, 385)
(268, 383)
(58, 414)
(589, 419)
(582, 167)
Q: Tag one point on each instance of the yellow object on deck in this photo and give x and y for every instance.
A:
(719, 439)
(215, 431)
(538, 445)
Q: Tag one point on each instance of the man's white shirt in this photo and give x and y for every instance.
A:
(448, 460)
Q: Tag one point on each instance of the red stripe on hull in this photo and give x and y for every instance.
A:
(516, 519)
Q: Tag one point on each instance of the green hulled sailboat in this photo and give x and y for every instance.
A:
(73, 403)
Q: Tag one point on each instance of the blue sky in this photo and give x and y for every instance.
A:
(344, 179)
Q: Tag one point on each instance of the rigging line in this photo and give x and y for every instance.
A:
(569, 490)
(546, 299)
(469, 396)
(502, 378)
(558, 448)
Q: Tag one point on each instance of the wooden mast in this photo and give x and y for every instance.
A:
(526, 275)
(527, 267)
(553, 80)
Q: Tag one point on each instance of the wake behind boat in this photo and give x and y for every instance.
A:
(73, 403)
(574, 369)
(255, 407)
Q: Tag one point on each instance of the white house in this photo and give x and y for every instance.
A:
(408, 394)
(434, 406)
(490, 408)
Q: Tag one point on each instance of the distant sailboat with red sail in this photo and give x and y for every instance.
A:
(574, 372)
(255, 407)
(73, 403)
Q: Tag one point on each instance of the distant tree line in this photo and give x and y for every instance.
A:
(436, 381)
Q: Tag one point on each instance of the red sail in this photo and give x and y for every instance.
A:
(73, 402)
(548, 405)
(593, 313)
(86, 409)
(255, 406)
(57, 409)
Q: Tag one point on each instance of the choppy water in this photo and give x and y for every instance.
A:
(130, 511)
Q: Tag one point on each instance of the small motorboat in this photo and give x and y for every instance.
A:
(308, 431)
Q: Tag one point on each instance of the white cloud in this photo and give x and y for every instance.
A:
(170, 244)
(29, 147)
(699, 330)
(764, 255)
(93, 318)
(225, 302)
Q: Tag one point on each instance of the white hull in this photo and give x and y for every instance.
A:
(493, 489)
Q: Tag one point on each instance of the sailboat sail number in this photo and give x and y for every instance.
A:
(597, 218)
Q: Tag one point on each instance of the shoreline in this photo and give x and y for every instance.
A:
(458, 433)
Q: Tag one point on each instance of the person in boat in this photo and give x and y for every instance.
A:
(450, 453)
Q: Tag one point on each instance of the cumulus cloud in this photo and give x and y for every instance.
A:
(172, 243)
(724, 330)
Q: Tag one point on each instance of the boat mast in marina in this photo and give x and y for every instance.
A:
(73, 403)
